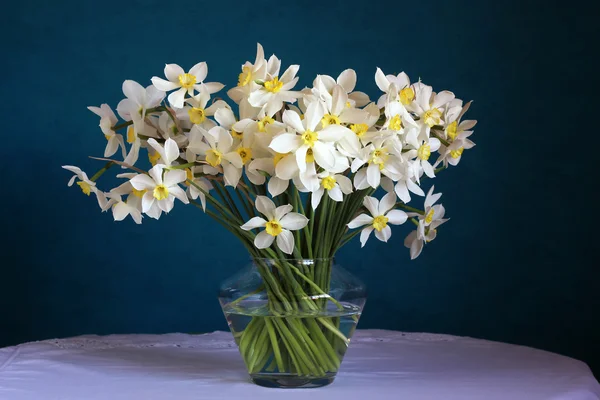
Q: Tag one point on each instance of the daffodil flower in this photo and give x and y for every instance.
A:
(108, 119)
(381, 158)
(309, 141)
(275, 91)
(185, 82)
(347, 80)
(397, 87)
(429, 107)
(197, 112)
(168, 153)
(336, 186)
(429, 221)
(381, 215)
(248, 77)
(85, 184)
(160, 192)
(278, 225)
(216, 146)
(132, 206)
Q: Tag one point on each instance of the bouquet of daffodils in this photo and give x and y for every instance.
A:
(294, 173)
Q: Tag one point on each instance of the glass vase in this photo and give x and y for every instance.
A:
(292, 319)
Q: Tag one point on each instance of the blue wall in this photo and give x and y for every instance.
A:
(513, 264)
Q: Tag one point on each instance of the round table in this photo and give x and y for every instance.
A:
(378, 365)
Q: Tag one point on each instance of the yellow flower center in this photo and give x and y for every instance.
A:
(187, 81)
(274, 85)
(452, 130)
(309, 138)
(429, 216)
(245, 77)
(278, 157)
(85, 187)
(262, 124)
(213, 157)
(107, 137)
(197, 115)
(273, 228)
(237, 135)
(395, 123)
(189, 175)
(160, 192)
(310, 156)
(359, 129)
(407, 95)
(131, 136)
(380, 222)
(329, 119)
(379, 157)
(348, 104)
(154, 157)
(138, 193)
(424, 152)
(328, 182)
(432, 117)
(245, 153)
(457, 153)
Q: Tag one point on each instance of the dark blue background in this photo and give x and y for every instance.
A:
(514, 264)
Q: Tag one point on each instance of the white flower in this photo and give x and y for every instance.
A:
(108, 119)
(347, 80)
(381, 215)
(429, 107)
(185, 82)
(217, 148)
(382, 159)
(131, 206)
(336, 185)
(160, 191)
(194, 190)
(197, 112)
(309, 140)
(275, 91)
(428, 223)
(168, 153)
(138, 100)
(250, 73)
(397, 87)
(280, 221)
(85, 184)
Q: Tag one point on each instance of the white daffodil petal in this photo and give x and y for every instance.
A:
(143, 182)
(286, 143)
(371, 204)
(361, 220)
(384, 234)
(263, 240)
(265, 206)
(256, 222)
(396, 217)
(364, 235)
(387, 203)
(293, 221)
(281, 211)
(285, 241)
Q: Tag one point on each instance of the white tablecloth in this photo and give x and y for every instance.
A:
(379, 365)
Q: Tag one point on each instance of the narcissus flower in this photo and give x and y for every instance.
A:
(108, 119)
(429, 221)
(160, 191)
(185, 82)
(381, 215)
(280, 221)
